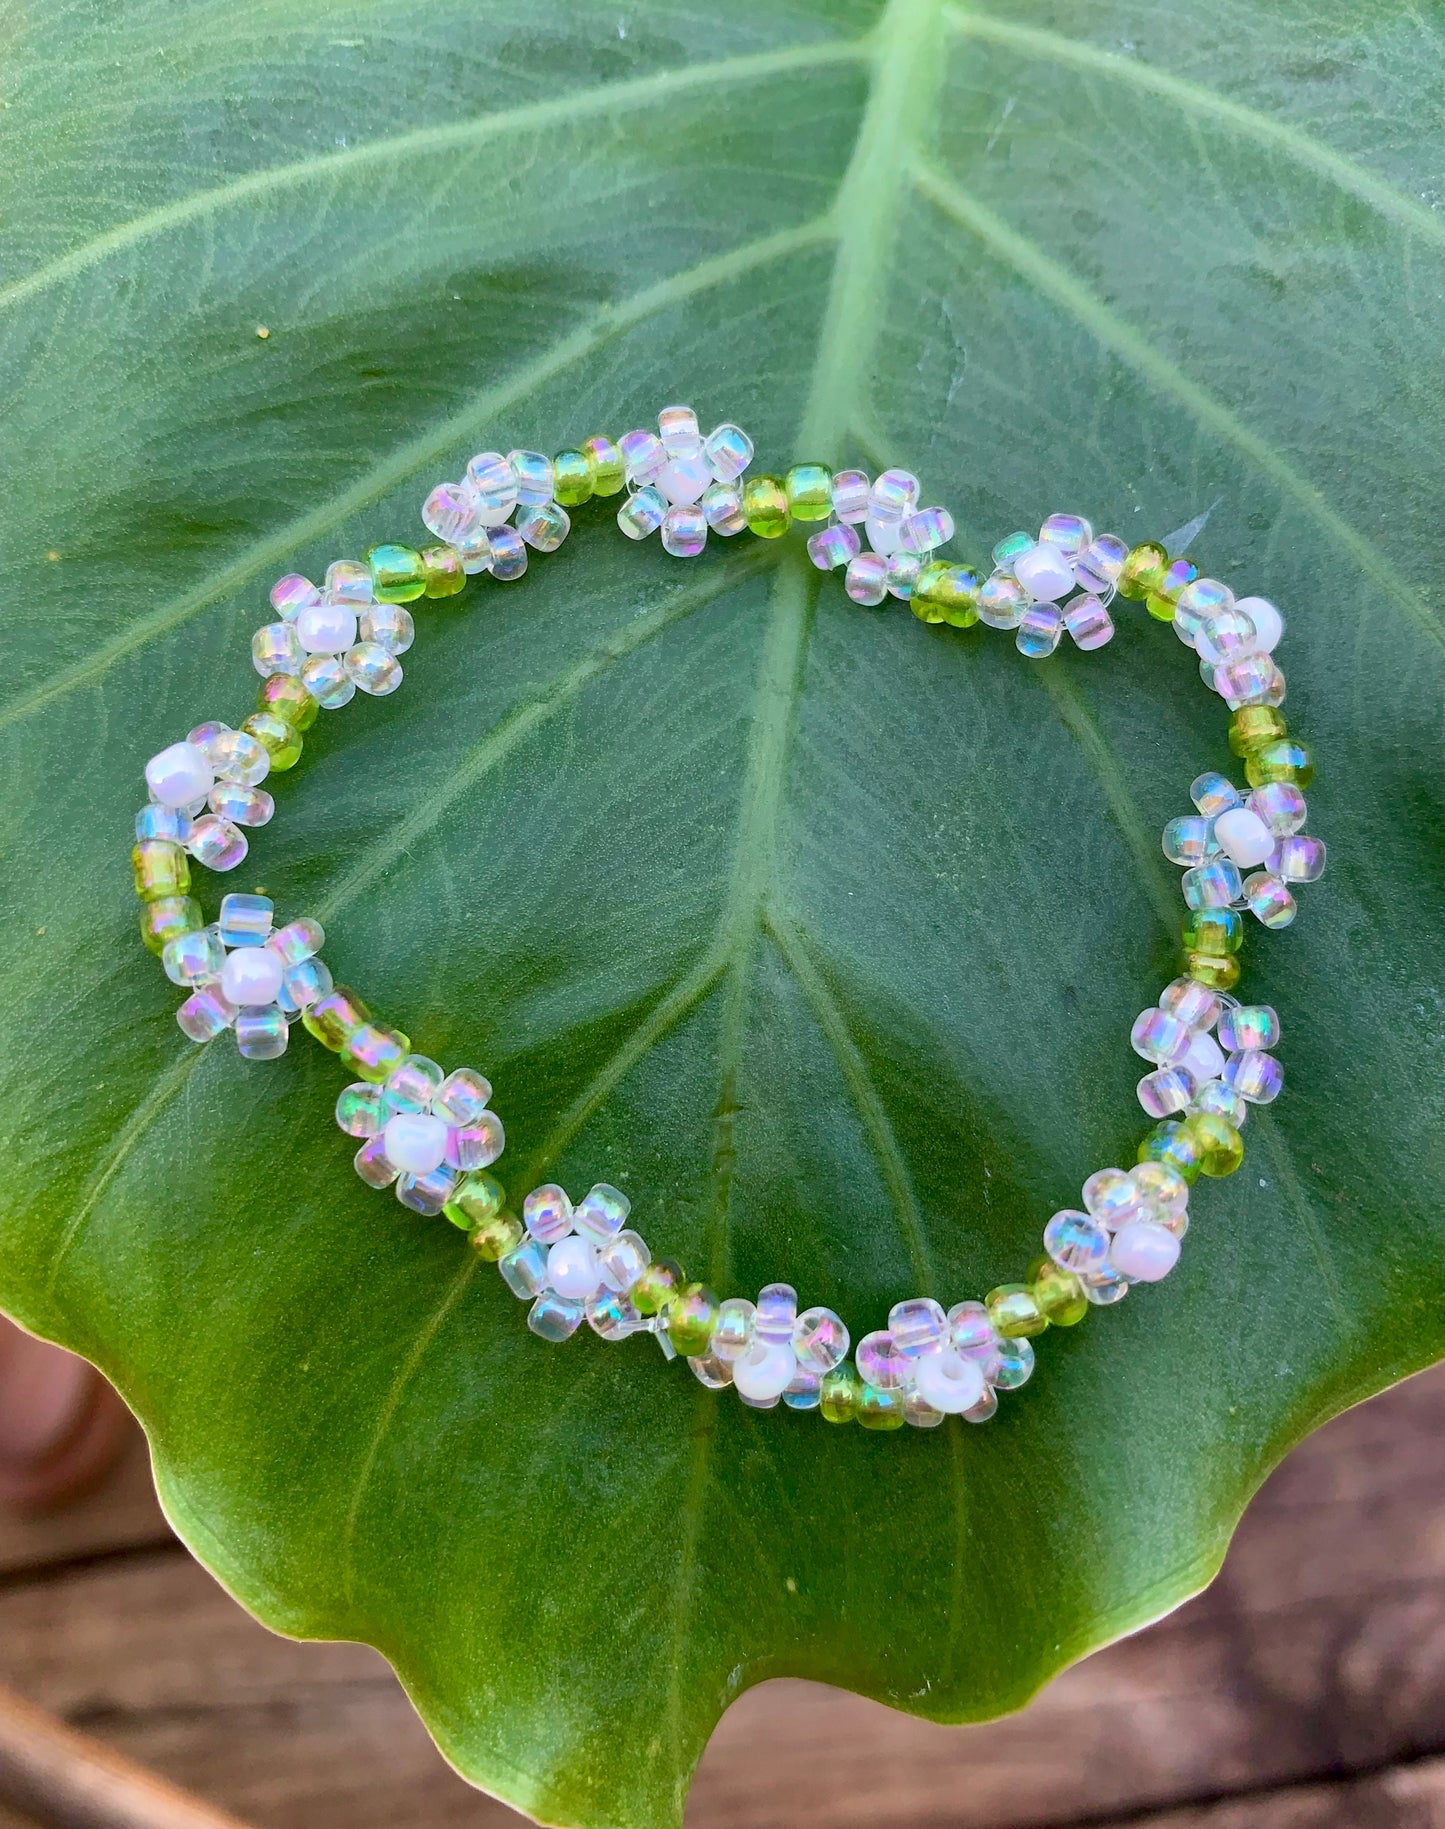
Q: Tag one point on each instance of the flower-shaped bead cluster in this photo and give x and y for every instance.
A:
(424, 1130)
(1235, 639)
(684, 483)
(335, 638)
(1032, 578)
(244, 974)
(503, 505)
(901, 536)
(1259, 831)
(204, 790)
(1129, 1230)
(1210, 1055)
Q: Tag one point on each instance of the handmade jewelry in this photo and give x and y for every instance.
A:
(432, 1136)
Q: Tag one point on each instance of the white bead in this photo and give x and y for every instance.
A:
(251, 976)
(416, 1142)
(180, 775)
(1205, 1059)
(885, 532)
(765, 1371)
(1242, 835)
(1268, 623)
(683, 479)
(948, 1381)
(1144, 1252)
(1044, 572)
(326, 628)
(572, 1268)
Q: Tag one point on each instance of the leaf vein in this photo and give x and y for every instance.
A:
(796, 954)
(1299, 146)
(1115, 333)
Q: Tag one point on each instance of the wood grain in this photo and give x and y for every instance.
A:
(1307, 1687)
(70, 1781)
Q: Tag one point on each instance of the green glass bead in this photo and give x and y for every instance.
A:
(1058, 1292)
(1221, 1148)
(476, 1198)
(494, 1238)
(809, 490)
(1216, 932)
(1143, 570)
(945, 592)
(692, 1319)
(1253, 726)
(657, 1285)
(397, 573)
(571, 479)
(332, 1018)
(839, 1393)
(1285, 759)
(1172, 1142)
(443, 574)
(373, 1051)
(167, 918)
(1014, 1312)
(160, 869)
(605, 464)
(285, 695)
(1219, 974)
(765, 507)
(279, 738)
(1161, 601)
(879, 1409)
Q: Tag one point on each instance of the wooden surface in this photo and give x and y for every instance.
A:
(1307, 1688)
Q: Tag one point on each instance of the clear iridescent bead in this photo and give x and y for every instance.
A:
(722, 507)
(1269, 899)
(389, 625)
(1213, 884)
(681, 435)
(927, 529)
(918, 1326)
(277, 649)
(325, 677)
(1214, 794)
(372, 669)
(734, 1332)
(1071, 533)
(820, 1340)
(729, 451)
(684, 531)
(553, 1317)
(547, 1213)
(601, 1213)
(881, 1362)
(642, 513)
(508, 554)
(850, 495)
(645, 456)
(866, 580)
(777, 1313)
(1039, 630)
(216, 843)
(543, 525)
(833, 546)
(1257, 1077)
(1088, 622)
(1076, 1242)
(533, 471)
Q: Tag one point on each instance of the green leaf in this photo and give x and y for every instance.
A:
(816, 930)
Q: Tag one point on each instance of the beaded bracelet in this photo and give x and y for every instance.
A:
(433, 1136)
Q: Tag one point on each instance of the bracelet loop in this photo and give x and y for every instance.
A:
(432, 1135)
